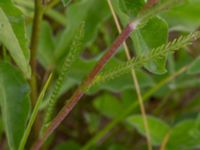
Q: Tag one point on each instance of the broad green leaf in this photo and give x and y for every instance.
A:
(152, 35)
(12, 29)
(108, 105)
(93, 18)
(15, 103)
(158, 129)
(70, 145)
(184, 17)
(185, 135)
(195, 67)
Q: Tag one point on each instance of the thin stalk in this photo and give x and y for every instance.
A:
(165, 141)
(34, 114)
(38, 14)
(80, 91)
(132, 107)
(135, 80)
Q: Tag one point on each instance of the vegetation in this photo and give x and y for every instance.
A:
(99, 74)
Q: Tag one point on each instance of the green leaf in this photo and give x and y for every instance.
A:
(158, 129)
(185, 135)
(194, 68)
(184, 17)
(15, 103)
(152, 35)
(108, 105)
(12, 29)
(92, 17)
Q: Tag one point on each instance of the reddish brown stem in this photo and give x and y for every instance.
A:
(80, 92)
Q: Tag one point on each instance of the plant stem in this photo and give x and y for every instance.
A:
(34, 114)
(130, 109)
(38, 14)
(135, 80)
(80, 91)
(165, 141)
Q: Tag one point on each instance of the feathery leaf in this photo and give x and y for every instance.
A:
(142, 59)
(69, 60)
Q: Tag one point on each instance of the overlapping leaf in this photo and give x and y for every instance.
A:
(14, 99)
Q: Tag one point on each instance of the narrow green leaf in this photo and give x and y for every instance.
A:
(15, 103)
(17, 21)
(11, 29)
(158, 129)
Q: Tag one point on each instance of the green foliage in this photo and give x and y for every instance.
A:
(185, 135)
(184, 17)
(172, 94)
(158, 129)
(144, 58)
(152, 35)
(15, 103)
(12, 29)
(93, 19)
(104, 102)
(34, 114)
(71, 57)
